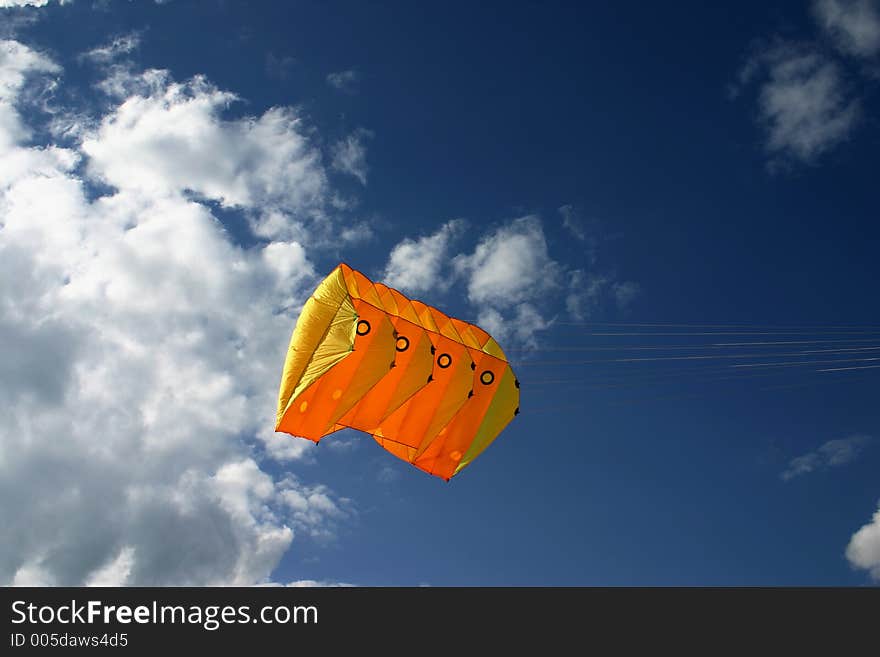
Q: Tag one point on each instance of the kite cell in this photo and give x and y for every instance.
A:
(431, 389)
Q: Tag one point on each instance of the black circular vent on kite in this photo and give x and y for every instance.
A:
(402, 343)
(486, 378)
(363, 327)
(444, 361)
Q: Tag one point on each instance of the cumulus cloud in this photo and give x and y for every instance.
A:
(520, 325)
(136, 405)
(804, 103)
(169, 137)
(513, 282)
(418, 265)
(350, 155)
(508, 277)
(854, 25)
(508, 273)
(344, 81)
(863, 550)
(510, 265)
(831, 454)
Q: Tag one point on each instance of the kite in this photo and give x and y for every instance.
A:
(432, 390)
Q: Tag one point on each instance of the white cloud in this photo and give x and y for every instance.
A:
(137, 404)
(311, 583)
(508, 277)
(17, 64)
(121, 45)
(521, 325)
(853, 24)
(417, 265)
(169, 138)
(28, 3)
(803, 102)
(832, 453)
(356, 233)
(863, 550)
(115, 572)
(512, 280)
(344, 81)
(345, 443)
(510, 265)
(350, 155)
(313, 510)
(509, 271)
(307, 583)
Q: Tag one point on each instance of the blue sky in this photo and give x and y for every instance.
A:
(178, 177)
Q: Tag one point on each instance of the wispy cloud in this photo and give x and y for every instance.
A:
(350, 155)
(805, 105)
(387, 474)
(356, 233)
(592, 293)
(831, 454)
(808, 97)
(854, 25)
(119, 46)
(279, 67)
(344, 81)
(573, 223)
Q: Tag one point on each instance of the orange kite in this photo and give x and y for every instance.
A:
(431, 389)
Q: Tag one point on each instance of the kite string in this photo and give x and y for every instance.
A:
(556, 407)
(526, 363)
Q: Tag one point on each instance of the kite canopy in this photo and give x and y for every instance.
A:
(431, 389)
